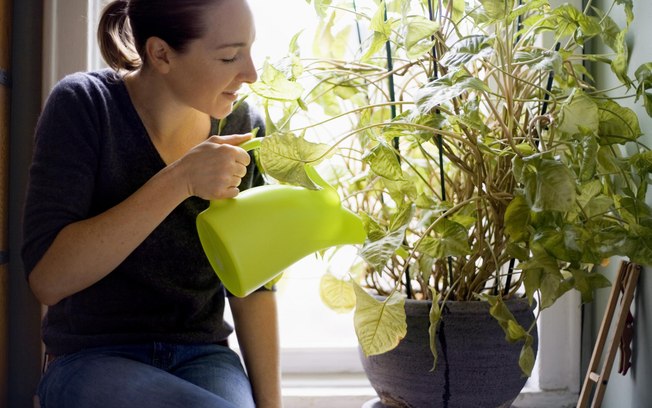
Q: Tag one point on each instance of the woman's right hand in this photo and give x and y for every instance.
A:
(214, 168)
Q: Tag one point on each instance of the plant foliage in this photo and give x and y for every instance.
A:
(485, 161)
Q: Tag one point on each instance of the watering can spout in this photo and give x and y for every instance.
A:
(250, 239)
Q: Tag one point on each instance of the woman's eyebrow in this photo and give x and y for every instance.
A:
(230, 45)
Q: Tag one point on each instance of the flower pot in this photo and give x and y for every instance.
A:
(477, 366)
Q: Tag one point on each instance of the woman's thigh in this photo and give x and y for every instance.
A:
(109, 380)
(217, 369)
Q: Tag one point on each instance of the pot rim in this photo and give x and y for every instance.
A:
(468, 306)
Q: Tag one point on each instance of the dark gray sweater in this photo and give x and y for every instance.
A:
(91, 152)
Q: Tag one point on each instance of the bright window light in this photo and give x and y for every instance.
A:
(305, 323)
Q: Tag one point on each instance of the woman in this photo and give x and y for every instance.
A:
(124, 160)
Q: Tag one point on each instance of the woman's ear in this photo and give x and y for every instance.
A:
(158, 54)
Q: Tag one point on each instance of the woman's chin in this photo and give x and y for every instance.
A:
(222, 112)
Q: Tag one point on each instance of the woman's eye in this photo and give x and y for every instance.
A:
(228, 60)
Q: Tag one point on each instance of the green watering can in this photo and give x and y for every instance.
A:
(250, 239)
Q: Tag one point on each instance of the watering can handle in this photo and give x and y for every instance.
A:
(256, 142)
(251, 144)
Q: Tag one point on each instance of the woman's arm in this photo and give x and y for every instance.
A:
(84, 252)
(256, 326)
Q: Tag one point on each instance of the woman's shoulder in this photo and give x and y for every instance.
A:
(90, 91)
(87, 82)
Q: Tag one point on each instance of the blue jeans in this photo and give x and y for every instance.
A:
(155, 375)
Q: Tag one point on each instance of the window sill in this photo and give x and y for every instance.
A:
(326, 390)
(353, 390)
(534, 398)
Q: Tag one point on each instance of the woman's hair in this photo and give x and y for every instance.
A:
(126, 25)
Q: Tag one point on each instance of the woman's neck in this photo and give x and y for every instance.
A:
(173, 128)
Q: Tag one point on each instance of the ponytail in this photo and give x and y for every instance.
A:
(115, 37)
(126, 25)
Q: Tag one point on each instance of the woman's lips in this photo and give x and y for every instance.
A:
(231, 95)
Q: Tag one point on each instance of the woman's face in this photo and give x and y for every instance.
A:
(208, 74)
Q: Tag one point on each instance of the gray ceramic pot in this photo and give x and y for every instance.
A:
(477, 367)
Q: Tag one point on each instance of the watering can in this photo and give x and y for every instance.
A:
(250, 239)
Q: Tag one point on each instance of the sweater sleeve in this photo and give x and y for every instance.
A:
(62, 172)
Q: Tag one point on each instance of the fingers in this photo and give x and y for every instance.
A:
(230, 192)
(240, 171)
(226, 175)
(214, 169)
(234, 140)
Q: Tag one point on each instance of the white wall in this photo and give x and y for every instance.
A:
(632, 390)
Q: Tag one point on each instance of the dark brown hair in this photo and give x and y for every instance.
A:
(125, 26)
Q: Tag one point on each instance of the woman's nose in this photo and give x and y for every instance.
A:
(249, 74)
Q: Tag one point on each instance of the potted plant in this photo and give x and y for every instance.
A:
(488, 167)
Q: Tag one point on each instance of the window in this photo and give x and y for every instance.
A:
(313, 338)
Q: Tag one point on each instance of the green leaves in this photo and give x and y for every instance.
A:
(451, 239)
(381, 28)
(580, 115)
(337, 294)
(321, 6)
(629, 9)
(384, 162)
(642, 162)
(567, 21)
(644, 77)
(328, 42)
(555, 187)
(379, 325)
(640, 244)
(517, 219)
(444, 89)
(541, 273)
(434, 316)
(513, 332)
(467, 50)
(527, 357)
(541, 60)
(273, 84)
(284, 157)
(480, 173)
(379, 23)
(586, 282)
(617, 124)
(418, 31)
(497, 9)
(377, 253)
